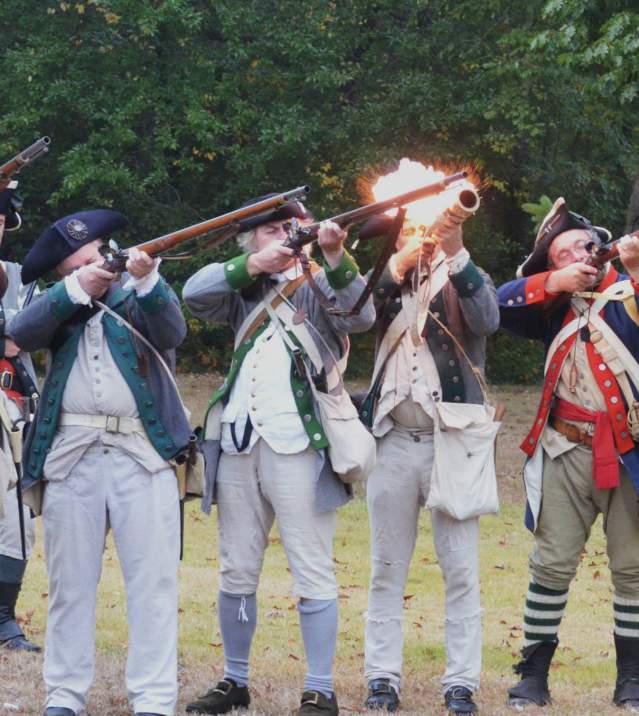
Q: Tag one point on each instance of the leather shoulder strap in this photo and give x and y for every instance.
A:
(259, 314)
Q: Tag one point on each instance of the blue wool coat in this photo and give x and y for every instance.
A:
(528, 311)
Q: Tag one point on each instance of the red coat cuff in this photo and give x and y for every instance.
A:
(536, 288)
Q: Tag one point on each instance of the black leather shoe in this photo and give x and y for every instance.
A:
(314, 703)
(58, 711)
(381, 696)
(21, 643)
(459, 701)
(221, 699)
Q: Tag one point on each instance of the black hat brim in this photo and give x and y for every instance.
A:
(292, 210)
(537, 262)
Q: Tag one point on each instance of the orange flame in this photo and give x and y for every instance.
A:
(412, 175)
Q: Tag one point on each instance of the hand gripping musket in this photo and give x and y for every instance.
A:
(21, 159)
(601, 254)
(225, 225)
(388, 227)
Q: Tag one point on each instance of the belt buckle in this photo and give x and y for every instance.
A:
(6, 380)
(112, 424)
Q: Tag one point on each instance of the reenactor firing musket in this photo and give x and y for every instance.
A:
(21, 159)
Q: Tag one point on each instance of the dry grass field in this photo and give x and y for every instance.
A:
(582, 675)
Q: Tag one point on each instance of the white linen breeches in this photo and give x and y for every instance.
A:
(10, 543)
(108, 489)
(252, 490)
(396, 489)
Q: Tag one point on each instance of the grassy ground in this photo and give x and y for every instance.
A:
(582, 675)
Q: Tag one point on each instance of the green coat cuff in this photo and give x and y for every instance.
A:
(468, 281)
(343, 274)
(236, 273)
(61, 304)
(157, 299)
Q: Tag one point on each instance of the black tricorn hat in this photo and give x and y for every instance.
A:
(556, 222)
(290, 210)
(64, 237)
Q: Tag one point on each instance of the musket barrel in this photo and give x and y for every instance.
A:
(26, 156)
(307, 234)
(163, 243)
(116, 259)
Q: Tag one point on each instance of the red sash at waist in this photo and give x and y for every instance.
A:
(605, 463)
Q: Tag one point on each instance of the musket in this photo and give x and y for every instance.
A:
(21, 159)
(466, 204)
(601, 254)
(301, 235)
(115, 258)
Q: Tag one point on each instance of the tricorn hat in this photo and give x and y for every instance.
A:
(64, 237)
(10, 202)
(292, 209)
(556, 222)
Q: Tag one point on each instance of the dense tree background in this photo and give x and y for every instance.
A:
(173, 111)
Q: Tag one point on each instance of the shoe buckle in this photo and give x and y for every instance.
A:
(224, 687)
(381, 687)
(312, 698)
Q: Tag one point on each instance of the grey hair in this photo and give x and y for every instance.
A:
(246, 240)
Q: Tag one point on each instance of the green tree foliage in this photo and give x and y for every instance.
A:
(176, 110)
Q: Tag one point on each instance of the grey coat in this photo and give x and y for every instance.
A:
(54, 322)
(209, 296)
(468, 307)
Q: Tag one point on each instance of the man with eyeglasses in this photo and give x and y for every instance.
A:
(582, 454)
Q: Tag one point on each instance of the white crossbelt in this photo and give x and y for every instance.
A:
(110, 423)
